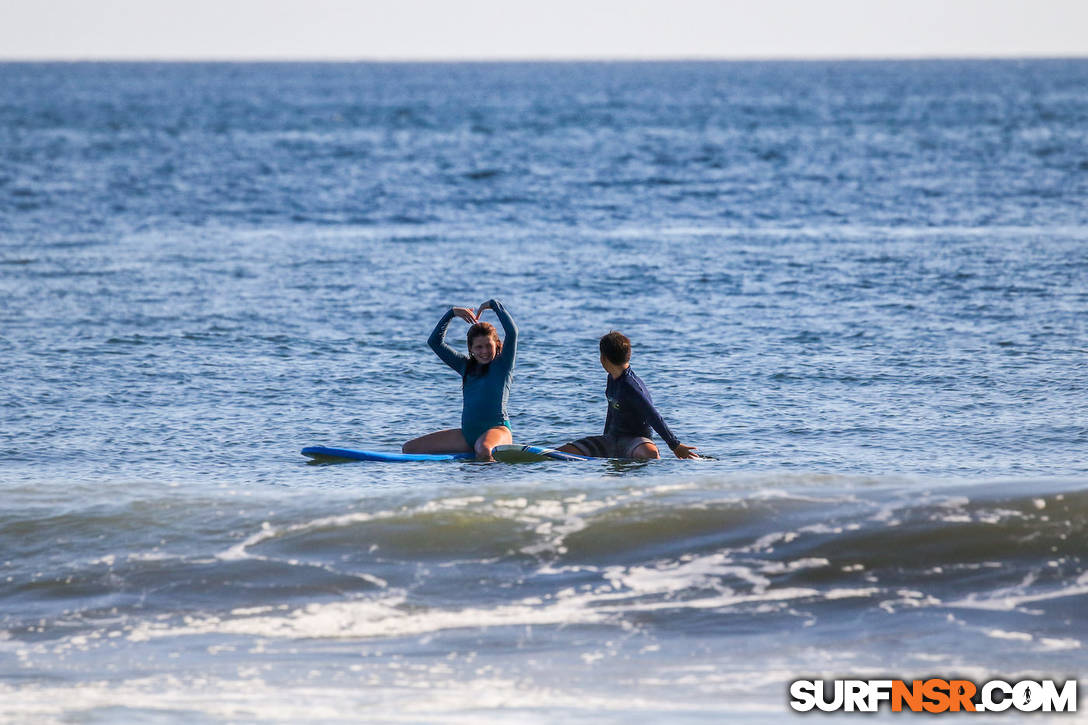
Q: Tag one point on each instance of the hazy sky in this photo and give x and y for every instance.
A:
(508, 29)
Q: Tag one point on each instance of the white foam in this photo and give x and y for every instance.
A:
(557, 519)
(1001, 634)
(1010, 600)
(451, 504)
(704, 572)
(781, 567)
(672, 487)
(844, 593)
(767, 541)
(268, 532)
(722, 601)
(404, 694)
(372, 618)
(707, 582)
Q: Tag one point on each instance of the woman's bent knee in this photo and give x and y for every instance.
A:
(489, 439)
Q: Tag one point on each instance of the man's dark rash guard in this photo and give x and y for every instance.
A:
(486, 392)
(631, 411)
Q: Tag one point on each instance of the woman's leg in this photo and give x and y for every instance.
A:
(497, 436)
(443, 441)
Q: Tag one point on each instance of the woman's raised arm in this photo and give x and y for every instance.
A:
(437, 340)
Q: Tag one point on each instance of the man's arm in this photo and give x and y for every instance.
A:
(649, 413)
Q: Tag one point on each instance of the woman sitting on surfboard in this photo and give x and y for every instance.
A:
(486, 373)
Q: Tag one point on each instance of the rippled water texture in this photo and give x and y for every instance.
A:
(860, 288)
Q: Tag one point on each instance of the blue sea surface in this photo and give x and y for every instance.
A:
(859, 288)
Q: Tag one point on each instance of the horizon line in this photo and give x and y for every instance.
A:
(770, 57)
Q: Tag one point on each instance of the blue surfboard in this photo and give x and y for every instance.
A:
(506, 453)
(324, 453)
(530, 454)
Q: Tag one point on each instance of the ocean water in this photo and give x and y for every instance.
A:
(861, 289)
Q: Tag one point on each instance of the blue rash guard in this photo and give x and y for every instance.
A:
(487, 388)
(631, 411)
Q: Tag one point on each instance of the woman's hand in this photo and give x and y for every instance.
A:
(466, 314)
(484, 306)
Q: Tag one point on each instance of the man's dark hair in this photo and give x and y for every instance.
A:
(616, 348)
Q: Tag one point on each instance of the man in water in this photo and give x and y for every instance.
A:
(631, 412)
